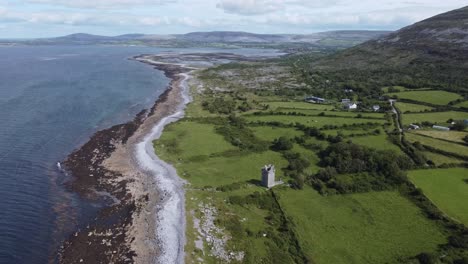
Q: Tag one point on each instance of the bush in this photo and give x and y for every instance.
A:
(426, 258)
(282, 144)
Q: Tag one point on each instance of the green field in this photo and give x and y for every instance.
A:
(376, 227)
(298, 105)
(447, 188)
(439, 118)
(407, 107)
(332, 113)
(462, 104)
(379, 142)
(438, 144)
(432, 97)
(317, 121)
(440, 159)
(271, 133)
(455, 136)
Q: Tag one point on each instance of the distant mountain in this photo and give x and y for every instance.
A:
(433, 52)
(233, 37)
(332, 38)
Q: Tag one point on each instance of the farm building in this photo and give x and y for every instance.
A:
(314, 99)
(350, 106)
(441, 128)
(376, 108)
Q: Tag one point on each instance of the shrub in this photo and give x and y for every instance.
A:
(282, 144)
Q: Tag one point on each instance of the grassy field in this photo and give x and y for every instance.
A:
(439, 159)
(377, 227)
(317, 121)
(440, 118)
(438, 144)
(462, 104)
(432, 97)
(298, 105)
(455, 136)
(407, 107)
(271, 133)
(379, 142)
(447, 188)
(332, 113)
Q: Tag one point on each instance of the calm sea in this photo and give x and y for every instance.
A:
(52, 99)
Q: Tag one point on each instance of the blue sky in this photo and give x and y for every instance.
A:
(47, 18)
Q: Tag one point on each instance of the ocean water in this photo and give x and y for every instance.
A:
(52, 99)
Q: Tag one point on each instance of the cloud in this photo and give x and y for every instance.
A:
(258, 7)
(248, 7)
(99, 4)
(97, 19)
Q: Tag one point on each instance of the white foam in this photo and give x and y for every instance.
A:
(171, 210)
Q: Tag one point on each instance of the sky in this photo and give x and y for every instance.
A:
(49, 18)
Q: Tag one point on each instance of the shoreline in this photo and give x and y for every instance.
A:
(118, 168)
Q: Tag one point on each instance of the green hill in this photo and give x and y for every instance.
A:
(432, 53)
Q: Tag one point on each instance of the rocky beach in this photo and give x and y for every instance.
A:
(112, 168)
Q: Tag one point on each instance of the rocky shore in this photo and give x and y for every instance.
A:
(106, 171)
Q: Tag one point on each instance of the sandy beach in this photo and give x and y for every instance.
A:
(144, 219)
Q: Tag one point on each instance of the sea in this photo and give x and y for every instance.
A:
(52, 99)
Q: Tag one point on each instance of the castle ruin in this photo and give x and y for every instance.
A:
(268, 176)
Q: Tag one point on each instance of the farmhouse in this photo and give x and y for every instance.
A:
(376, 108)
(314, 99)
(441, 128)
(350, 106)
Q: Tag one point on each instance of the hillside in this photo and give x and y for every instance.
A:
(432, 53)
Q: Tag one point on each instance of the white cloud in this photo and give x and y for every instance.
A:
(256, 7)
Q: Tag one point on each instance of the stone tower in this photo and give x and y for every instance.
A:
(268, 176)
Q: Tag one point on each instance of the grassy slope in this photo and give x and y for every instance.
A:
(433, 97)
(455, 136)
(378, 142)
(407, 107)
(438, 144)
(317, 121)
(440, 159)
(359, 228)
(446, 188)
(434, 117)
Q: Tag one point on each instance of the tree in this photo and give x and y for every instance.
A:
(459, 126)
(282, 144)
(465, 139)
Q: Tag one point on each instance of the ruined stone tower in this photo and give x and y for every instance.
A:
(268, 176)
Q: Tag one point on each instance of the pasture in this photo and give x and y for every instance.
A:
(455, 136)
(298, 105)
(439, 118)
(408, 107)
(440, 159)
(447, 188)
(316, 121)
(375, 227)
(438, 144)
(379, 142)
(432, 97)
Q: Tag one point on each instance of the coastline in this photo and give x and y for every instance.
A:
(118, 168)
